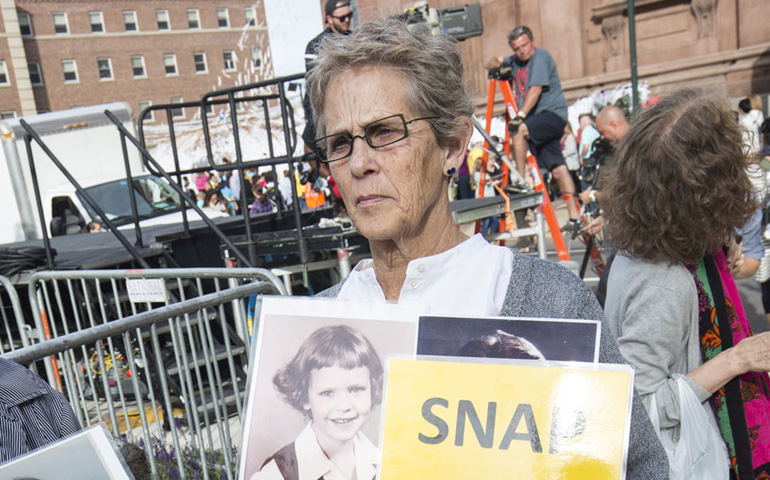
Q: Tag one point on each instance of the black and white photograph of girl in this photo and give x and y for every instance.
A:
(315, 396)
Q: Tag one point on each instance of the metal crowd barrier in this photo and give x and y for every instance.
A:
(160, 355)
(176, 371)
(14, 331)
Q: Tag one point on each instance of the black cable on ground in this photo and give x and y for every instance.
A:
(16, 260)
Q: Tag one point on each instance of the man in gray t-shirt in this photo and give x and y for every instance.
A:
(539, 124)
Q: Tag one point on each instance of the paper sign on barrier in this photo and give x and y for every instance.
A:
(471, 420)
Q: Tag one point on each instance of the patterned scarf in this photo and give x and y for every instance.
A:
(742, 406)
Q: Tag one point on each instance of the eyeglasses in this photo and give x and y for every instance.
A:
(344, 18)
(380, 133)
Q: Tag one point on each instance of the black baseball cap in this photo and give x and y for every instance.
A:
(332, 5)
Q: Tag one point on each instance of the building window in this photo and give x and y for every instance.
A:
(70, 70)
(222, 19)
(105, 68)
(35, 75)
(200, 62)
(230, 59)
(146, 104)
(7, 115)
(169, 62)
(97, 22)
(193, 18)
(129, 20)
(251, 16)
(162, 17)
(4, 74)
(256, 58)
(25, 25)
(177, 112)
(137, 66)
(60, 24)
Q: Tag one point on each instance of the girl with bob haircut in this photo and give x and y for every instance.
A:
(675, 193)
(334, 380)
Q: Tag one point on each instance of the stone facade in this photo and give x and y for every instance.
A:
(114, 61)
(722, 45)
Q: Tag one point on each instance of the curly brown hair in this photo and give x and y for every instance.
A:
(678, 186)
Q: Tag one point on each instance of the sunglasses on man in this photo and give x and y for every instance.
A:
(344, 18)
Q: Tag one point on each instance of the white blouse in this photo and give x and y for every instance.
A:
(468, 279)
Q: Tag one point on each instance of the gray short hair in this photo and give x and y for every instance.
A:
(519, 31)
(432, 67)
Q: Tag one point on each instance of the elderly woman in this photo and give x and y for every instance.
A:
(393, 123)
(674, 194)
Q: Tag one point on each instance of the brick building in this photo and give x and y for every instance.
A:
(59, 54)
(720, 45)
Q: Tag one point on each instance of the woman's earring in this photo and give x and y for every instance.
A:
(451, 171)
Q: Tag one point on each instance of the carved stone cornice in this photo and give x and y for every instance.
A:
(618, 7)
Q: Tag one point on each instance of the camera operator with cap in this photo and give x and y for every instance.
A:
(339, 18)
(542, 111)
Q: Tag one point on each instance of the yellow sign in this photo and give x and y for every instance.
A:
(452, 420)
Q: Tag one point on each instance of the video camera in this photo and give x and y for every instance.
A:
(459, 22)
(602, 152)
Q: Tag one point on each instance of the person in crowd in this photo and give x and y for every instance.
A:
(476, 152)
(339, 18)
(32, 414)
(542, 113)
(212, 204)
(201, 181)
(588, 135)
(334, 380)
(488, 224)
(674, 194)
(94, 227)
(569, 150)
(763, 272)
(188, 188)
(284, 188)
(261, 203)
(234, 182)
(393, 138)
(213, 181)
(750, 119)
(613, 125)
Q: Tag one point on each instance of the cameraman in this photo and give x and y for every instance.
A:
(612, 125)
(542, 110)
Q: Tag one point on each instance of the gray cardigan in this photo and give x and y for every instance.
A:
(539, 288)
(652, 309)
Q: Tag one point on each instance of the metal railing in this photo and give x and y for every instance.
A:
(14, 331)
(117, 373)
(62, 302)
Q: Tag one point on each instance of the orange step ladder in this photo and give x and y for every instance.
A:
(532, 168)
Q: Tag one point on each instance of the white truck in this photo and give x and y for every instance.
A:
(88, 145)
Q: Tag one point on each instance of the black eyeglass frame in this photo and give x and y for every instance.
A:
(365, 137)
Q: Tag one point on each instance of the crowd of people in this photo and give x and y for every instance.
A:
(682, 196)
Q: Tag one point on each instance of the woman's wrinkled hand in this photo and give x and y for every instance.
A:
(752, 354)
